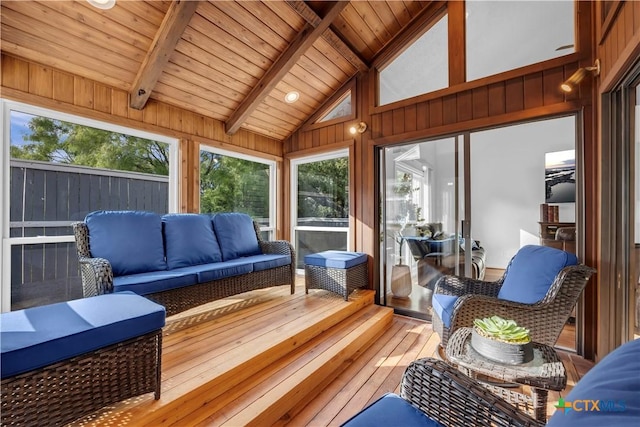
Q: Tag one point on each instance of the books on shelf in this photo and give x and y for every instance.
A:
(549, 213)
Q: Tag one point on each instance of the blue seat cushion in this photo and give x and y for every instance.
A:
(390, 410)
(189, 240)
(443, 306)
(218, 270)
(130, 240)
(154, 281)
(532, 272)
(39, 336)
(615, 383)
(267, 261)
(336, 259)
(236, 235)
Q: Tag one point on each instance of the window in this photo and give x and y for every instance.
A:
(320, 212)
(232, 182)
(61, 167)
(502, 36)
(342, 108)
(422, 68)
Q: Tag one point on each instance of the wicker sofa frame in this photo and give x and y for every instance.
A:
(65, 391)
(97, 276)
(478, 299)
(453, 399)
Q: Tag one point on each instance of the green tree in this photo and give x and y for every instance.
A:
(229, 184)
(61, 142)
(323, 189)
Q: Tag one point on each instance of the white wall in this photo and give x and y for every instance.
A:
(507, 184)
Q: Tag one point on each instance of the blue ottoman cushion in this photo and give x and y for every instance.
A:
(190, 240)
(130, 240)
(532, 272)
(236, 235)
(336, 259)
(39, 336)
(614, 383)
(390, 410)
(443, 306)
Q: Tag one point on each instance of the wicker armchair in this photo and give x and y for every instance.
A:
(479, 299)
(451, 398)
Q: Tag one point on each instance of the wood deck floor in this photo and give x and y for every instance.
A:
(298, 384)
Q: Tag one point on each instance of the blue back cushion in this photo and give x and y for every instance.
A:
(189, 240)
(236, 235)
(615, 383)
(39, 336)
(130, 240)
(532, 272)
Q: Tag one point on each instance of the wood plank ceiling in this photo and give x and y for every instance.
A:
(230, 60)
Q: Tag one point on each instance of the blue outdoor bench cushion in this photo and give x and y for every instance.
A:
(390, 411)
(615, 383)
(154, 281)
(336, 259)
(39, 336)
(218, 270)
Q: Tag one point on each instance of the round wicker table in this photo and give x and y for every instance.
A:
(545, 372)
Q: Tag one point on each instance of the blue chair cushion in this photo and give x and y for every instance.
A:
(189, 240)
(236, 235)
(393, 411)
(615, 383)
(39, 336)
(130, 240)
(532, 272)
(336, 259)
(443, 306)
(267, 261)
(153, 281)
(218, 270)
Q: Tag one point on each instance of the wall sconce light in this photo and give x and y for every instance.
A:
(359, 128)
(577, 77)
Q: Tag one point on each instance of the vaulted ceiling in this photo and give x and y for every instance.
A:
(230, 60)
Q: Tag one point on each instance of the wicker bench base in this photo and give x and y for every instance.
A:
(339, 280)
(65, 391)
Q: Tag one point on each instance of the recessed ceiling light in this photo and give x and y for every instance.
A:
(291, 97)
(102, 4)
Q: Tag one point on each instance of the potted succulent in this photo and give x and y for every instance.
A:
(502, 340)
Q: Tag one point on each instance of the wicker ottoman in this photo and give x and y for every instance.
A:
(336, 271)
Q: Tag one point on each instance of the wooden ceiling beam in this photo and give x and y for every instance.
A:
(303, 41)
(330, 36)
(173, 25)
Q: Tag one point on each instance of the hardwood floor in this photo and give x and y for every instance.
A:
(270, 358)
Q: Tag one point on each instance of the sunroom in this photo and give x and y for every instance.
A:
(420, 133)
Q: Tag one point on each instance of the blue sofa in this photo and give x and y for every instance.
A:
(434, 393)
(179, 260)
(62, 361)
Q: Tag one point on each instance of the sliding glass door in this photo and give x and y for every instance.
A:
(465, 204)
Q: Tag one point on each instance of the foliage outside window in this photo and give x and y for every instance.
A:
(57, 141)
(323, 189)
